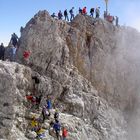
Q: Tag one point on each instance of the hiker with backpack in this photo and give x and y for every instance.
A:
(14, 39)
(60, 15)
(66, 15)
(2, 52)
(84, 11)
(64, 133)
(92, 12)
(57, 128)
(71, 13)
(80, 10)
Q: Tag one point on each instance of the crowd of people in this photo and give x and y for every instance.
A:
(9, 53)
(94, 12)
(36, 123)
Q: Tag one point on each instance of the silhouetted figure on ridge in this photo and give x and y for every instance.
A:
(66, 15)
(14, 39)
(60, 15)
(2, 51)
(71, 14)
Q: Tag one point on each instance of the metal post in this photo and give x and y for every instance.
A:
(106, 2)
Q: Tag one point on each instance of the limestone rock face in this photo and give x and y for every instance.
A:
(101, 52)
(14, 84)
(83, 67)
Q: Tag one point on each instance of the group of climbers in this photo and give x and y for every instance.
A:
(84, 12)
(36, 123)
(71, 12)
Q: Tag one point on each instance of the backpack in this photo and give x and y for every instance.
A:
(65, 12)
(70, 11)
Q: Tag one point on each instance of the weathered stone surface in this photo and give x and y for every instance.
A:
(82, 68)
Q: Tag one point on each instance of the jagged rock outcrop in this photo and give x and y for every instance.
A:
(83, 67)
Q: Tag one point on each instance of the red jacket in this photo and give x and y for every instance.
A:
(26, 54)
(84, 11)
(64, 133)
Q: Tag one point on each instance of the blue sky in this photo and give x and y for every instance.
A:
(16, 13)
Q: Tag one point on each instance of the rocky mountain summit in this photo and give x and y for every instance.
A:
(88, 67)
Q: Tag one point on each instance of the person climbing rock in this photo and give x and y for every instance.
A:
(80, 10)
(36, 82)
(45, 113)
(84, 11)
(34, 123)
(66, 15)
(40, 133)
(2, 52)
(57, 128)
(92, 12)
(48, 104)
(14, 39)
(26, 55)
(64, 133)
(60, 15)
(71, 13)
(56, 115)
(97, 12)
(38, 100)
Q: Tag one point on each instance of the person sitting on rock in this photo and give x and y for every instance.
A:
(60, 15)
(64, 133)
(57, 128)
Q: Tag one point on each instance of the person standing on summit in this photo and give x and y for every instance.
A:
(60, 15)
(84, 11)
(14, 39)
(71, 14)
(66, 15)
(97, 12)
